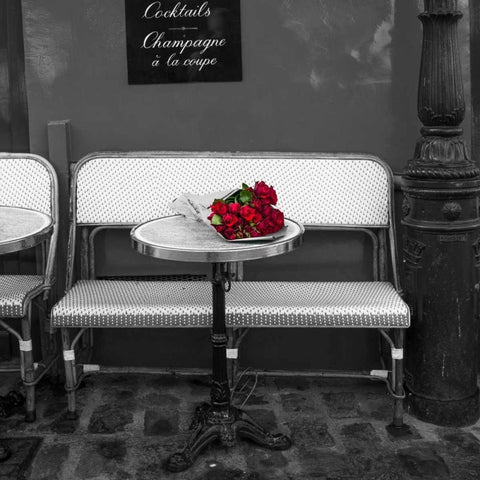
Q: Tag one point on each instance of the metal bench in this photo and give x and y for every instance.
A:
(120, 190)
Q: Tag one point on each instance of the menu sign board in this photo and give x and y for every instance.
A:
(173, 41)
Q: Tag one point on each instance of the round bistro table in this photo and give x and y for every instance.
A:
(180, 239)
(20, 229)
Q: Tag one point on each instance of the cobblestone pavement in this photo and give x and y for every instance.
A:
(129, 424)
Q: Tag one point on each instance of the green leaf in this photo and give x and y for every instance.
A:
(245, 196)
(216, 220)
(245, 186)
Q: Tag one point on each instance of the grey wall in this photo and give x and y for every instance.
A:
(319, 75)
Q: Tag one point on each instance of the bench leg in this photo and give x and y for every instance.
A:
(398, 378)
(55, 372)
(28, 370)
(70, 373)
(231, 362)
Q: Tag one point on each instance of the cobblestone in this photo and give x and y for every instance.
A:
(310, 433)
(423, 462)
(341, 404)
(358, 437)
(104, 457)
(109, 419)
(265, 418)
(461, 442)
(49, 462)
(113, 449)
(160, 422)
(295, 402)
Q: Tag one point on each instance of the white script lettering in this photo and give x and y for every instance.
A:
(154, 10)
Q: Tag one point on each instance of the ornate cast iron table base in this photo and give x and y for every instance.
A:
(219, 420)
(210, 425)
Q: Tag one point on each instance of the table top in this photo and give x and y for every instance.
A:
(180, 239)
(22, 228)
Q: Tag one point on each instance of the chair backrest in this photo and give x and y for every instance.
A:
(27, 181)
(30, 181)
(350, 190)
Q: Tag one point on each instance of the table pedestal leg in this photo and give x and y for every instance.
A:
(219, 421)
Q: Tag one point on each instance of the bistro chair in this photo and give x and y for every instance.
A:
(29, 181)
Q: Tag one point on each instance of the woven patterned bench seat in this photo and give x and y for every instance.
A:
(107, 303)
(129, 303)
(316, 304)
(14, 290)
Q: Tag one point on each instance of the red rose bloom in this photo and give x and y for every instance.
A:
(266, 227)
(257, 203)
(234, 208)
(247, 213)
(229, 220)
(262, 190)
(278, 218)
(229, 234)
(256, 217)
(272, 227)
(219, 228)
(273, 196)
(267, 210)
(219, 208)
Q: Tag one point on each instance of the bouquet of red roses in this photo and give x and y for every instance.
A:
(247, 213)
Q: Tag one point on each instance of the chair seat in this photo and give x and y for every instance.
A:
(15, 290)
(112, 303)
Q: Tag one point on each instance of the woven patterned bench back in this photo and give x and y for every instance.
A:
(27, 182)
(315, 189)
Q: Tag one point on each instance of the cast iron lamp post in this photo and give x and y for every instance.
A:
(441, 236)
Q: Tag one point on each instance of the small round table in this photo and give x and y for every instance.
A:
(20, 229)
(180, 239)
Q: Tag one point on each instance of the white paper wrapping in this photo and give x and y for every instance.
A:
(196, 207)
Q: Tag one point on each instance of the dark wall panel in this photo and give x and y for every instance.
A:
(14, 135)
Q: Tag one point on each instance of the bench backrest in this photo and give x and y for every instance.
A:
(320, 190)
(315, 189)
